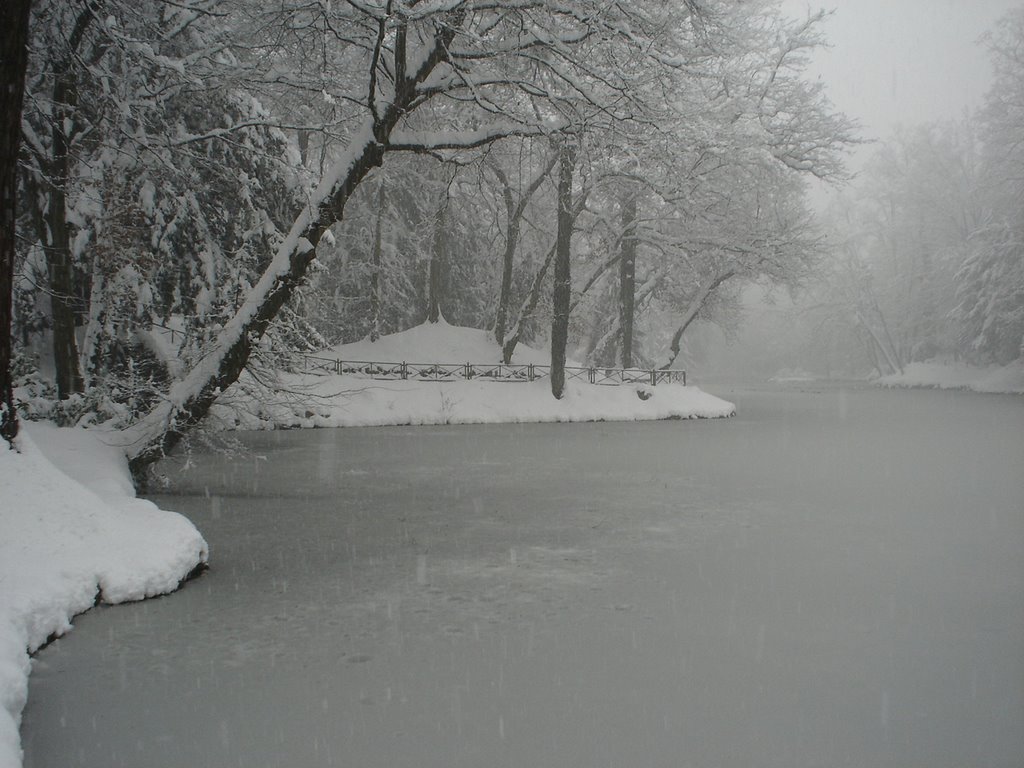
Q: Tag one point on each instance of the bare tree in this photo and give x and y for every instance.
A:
(562, 274)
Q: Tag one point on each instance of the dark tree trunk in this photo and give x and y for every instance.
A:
(54, 234)
(563, 276)
(375, 281)
(302, 137)
(507, 261)
(61, 277)
(14, 16)
(627, 276)
(435, 284)
(508, 348)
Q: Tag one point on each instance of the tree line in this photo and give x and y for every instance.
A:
(203, 184)
(926, 246)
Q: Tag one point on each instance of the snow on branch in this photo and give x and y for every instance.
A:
(423, 141)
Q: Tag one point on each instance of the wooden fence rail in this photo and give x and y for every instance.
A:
(487, 372)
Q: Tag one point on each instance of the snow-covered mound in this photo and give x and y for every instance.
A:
(435, 343)
(940, 375)
(342, 401)
(327, 400)
(73, 533)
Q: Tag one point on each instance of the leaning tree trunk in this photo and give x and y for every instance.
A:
(627, 276)
(563, 277)
(514, 212)
(191, 398)
(692, 311)
(13, 62)
(508, 348)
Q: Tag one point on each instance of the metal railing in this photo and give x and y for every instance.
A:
(374, 369)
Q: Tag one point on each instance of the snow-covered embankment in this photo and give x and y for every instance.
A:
(68, 539)
(318, 399)
(1008, 379)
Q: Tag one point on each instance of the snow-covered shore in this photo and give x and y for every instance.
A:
(327, 400)
(938, 375)
(346, 401)
(73, 533)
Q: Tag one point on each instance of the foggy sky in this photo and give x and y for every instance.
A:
(904, 62)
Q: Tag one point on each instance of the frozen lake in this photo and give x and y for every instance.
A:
(834, 577)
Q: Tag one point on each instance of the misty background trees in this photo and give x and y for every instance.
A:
(926, 256)
(207, 186)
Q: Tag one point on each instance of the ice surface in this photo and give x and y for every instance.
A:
(832, 578)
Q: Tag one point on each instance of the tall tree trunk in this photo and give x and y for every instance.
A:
(435, 283)
(14, 16)
(66, 306)
(562, 293)
(627, 276)
(378, 248)
(61, 277)
(508, 348)
(507, 259)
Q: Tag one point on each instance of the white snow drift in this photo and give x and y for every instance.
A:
(72, 536)
(947, 375)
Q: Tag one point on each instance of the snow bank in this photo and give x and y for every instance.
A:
(343, 401)
(328, 400)
(72, 536)
(1008, 379)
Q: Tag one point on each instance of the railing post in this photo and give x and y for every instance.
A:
(684, 378)
(467, 373)
(654, 378)
(529, 372)
(591, 375)
(338, 367)
(405, 371)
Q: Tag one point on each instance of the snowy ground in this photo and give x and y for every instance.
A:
(317, 400)
(72, 537)
(1006, 379)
